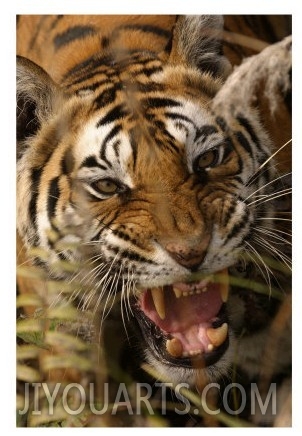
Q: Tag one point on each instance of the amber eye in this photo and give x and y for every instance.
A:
(106, 187)
(206, 160)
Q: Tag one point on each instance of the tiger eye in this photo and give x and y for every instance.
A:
(207, 159)
(106, 187)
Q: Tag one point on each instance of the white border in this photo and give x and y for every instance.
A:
(7, 173)
(156, 6)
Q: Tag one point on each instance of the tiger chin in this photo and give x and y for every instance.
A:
(122, 156)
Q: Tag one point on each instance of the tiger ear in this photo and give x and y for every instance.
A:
(36, 97)
(197, 42)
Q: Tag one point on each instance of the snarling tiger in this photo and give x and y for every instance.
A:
(130, 168)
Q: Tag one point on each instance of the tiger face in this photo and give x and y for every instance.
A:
(127, 171)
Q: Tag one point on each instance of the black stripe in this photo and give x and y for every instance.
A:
(166, 140)
(159, 102)
(229, 213)
(146, 28)
(126, 254)
(176, 116)
(116, 148)
(91, 74)
(53, 196)
(72, 34)
(237, 228)
(245, 123)
(67, 162)
(230, 146)
(244, 142)
(32, 208)
(88, 64)
(133, 144)
(149, 87)
(107, 96)
(114, 114)
(113, 132)
(205, 131)
(91, 162)
(105, 42)
(221, 123)
(149, 71)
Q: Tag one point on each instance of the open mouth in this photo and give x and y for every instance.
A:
(186, 320)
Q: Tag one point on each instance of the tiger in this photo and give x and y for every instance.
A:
(155, 194)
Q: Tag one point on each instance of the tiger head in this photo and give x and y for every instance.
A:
(126, 170)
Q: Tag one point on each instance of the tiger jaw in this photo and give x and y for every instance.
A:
(188, 319)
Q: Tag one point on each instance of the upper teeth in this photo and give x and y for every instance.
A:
(179, 293)
(224, 284)
(159, 301)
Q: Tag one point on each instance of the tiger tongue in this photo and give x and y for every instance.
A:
(186, 312)
(174, 310)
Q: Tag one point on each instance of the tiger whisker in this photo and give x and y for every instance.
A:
(111, 293)
(272, 235)
(268, 160)
(123, 305)
(270, 197)
(266, 185)
(274, 218)
(267, 268)
(264, 243)
(95, 272)
(124, 297)
(276, 231)
(274, 154)
(104, 283)
(129, 289)
(125, 301)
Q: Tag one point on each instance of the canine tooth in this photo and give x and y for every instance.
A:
(191, 292)
(174, 347)
(224, 292)
(210, 347)
(177, 292)
(198, 291)
(159, 301)
(204, 289)
(224, 286)
(219, 335)
(185, 294)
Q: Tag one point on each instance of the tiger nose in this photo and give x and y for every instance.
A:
(187, 255)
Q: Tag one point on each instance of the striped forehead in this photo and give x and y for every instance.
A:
(108, 147)
(112, 146)
(185, 122)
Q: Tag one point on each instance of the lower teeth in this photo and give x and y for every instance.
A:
(217, 337)
(174, 347)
